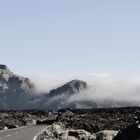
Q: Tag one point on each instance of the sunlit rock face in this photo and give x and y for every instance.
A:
(72, 87)
(58, 98)
(15, 91)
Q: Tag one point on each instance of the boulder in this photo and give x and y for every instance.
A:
(129, 133)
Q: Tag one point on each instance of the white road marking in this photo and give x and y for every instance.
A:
(9, 135)
(35, 138)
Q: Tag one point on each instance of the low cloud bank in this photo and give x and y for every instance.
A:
(107, 86)
(101, 86)
(44, 83)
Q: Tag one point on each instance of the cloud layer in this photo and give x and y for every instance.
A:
(102, 86)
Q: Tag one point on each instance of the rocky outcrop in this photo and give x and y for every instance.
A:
(15, 91)
(58, 98)
(70, 88)
(58, 131)
(106, 135)
(14, 119)
(129, 133)
(95, 120)
(95, 124)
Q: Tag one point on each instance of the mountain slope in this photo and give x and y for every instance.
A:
(58, 98)
(14, 90)
(70, 88)
(17, 93)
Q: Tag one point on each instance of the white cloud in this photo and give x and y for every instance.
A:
(45, 83)
(106, 86)
(102, 86)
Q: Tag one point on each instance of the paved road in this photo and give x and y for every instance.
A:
(25, 133)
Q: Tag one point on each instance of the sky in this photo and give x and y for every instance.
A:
(70, 37)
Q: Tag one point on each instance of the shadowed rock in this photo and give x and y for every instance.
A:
(130, 133)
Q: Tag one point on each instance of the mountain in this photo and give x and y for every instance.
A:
(70, 88)
(14, 90)
(17, 93)
(58, 98)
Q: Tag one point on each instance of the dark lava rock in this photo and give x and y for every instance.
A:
(130, 133)
(73, 133)
(14, 119)
(95, 120)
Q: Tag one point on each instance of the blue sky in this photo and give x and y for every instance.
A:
(70, 37)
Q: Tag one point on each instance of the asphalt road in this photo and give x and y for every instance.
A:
(25, 133)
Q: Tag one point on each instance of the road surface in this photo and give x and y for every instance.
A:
(25, 133)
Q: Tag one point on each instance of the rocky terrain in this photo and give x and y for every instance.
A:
(58, 131)
(79, 124)
(76, 123)
(95, 124)
(15, 119)
(129, 133)
(95, 120)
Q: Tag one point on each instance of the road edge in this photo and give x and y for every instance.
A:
(39, 134)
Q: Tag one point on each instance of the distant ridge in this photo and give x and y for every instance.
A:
(17, 93)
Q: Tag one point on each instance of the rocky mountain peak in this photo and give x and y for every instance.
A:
(14, 89)
(72, 87)
(4, 70)
(77, 84)
(3, 67)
